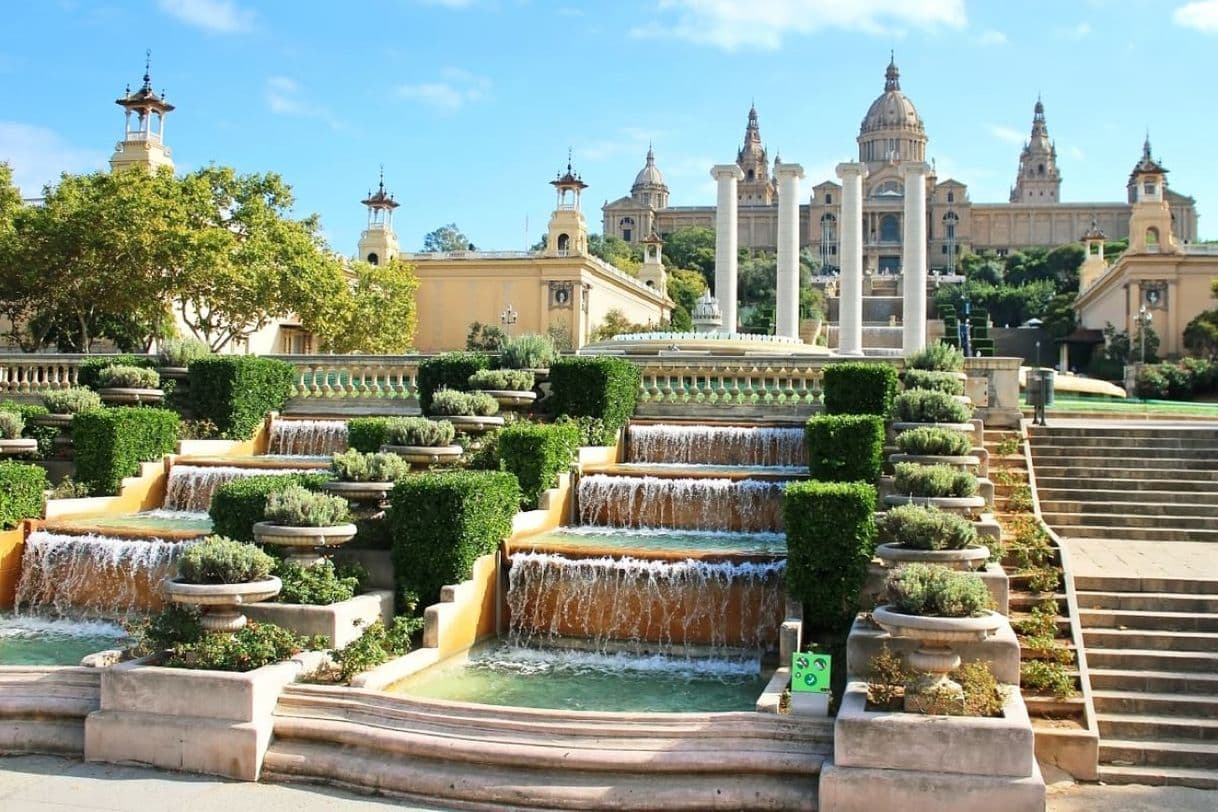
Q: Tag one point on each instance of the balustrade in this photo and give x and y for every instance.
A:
(23, 374)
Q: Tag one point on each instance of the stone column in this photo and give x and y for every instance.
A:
(914, 256)
(850, 293)
(726, 242)
(787, 295)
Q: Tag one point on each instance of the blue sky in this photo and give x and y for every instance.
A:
(472, 104)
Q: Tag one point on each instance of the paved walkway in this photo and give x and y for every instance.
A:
(1119, 558)
(52, 784)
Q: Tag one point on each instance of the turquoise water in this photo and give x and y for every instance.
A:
(661, 539)
(147, 521)
(40, 641)
(580, 681)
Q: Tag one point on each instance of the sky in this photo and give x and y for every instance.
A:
(471, 105)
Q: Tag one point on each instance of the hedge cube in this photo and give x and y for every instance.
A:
(236, 392)
(595, 386)
(845, 447)
(21, 493)
(110, 444)
(857, 388)
(450, 370)
(537, 454)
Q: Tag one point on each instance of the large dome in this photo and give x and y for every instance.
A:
(892, 110)
(650, 174)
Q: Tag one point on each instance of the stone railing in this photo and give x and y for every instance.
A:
(32, 373)
(392, 377)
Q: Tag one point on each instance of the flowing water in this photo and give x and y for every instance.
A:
(716, 445)
(147, 522)
(190, 487)
(702, 503)
(28, 640)
(311, 438)
(659, 540)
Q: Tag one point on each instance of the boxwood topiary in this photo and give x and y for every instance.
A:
(21, 493)
(831, 534)
(597, 387)
(858, 388)
(845, 447)
(367, 434)
(926, 406)
(934, 441)
(237, 505)
(450, 370)
(442, 522)
(537, 454)
(935, 481)
(236, 392)
(110, 444)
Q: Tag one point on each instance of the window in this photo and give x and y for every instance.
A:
(752, 175)
(627, 234)
(1040, 169)
(1149, 188)
(373, 259)
(564, 242)
(951, 197)
(890, 228)
(828, 199)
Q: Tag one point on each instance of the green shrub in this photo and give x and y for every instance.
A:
(67, 488)
(442, 522)
(983, 695)
(89, 369)
(117, 376)
(450, 370)
(74, 400)
(937, 357)
(317, 585)
(367, 434)
(175, 624)
(845, 447)
(352, 466)
(528, 351)
(179, 352)
(1046, 677)
(914, 479)
(483, 455)
(218, 560)
(519, 380)
(110, 444)
(21, 492)
(375, 646)
(536, 454)
(236, 392)
(237, 505)
(595, 386)
(419, 431)
(1150, 383)
(927, 406)
(252, 646)
(926, 528)
(830, 530)
(295, 506)
(11, 425)
(198, 430)
(945, 382)
(452, 403)
(592, 430)
(44, 435)
(858, 388)
(931, 590)
(934, 441)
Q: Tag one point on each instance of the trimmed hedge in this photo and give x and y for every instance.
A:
(845, 447)
(237, 391)
(367, 434)
(110, 444)
(857, 388)
(237, 505)
(21, 493)
(595, 386)
(537, 453)
(441, 523)
(830, 540)
(89, 369)
(450, 370)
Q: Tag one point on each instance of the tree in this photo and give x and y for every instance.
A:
(1201, 334)
(692, 249)
(379, 316)
(684, 288)
(986, 267)
(485, 337)
(616, 252)
(446, 238)
(616, 324)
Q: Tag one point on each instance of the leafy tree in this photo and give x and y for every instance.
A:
(691, 249)
(10, 198)
(616, 324)
(1059, 316)
(616, 252)
(485, 337)
(1006, 304)
(380, 317)
(684, 288)
(1201, 334)
(446, 238)
(985, 267)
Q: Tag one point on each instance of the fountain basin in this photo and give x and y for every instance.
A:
(31, 640)
(680, 502)
(656, 543)
(716, 445)
(168, 525)
(308, 437)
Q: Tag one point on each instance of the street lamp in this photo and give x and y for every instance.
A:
(508, 318)
(1144, 321)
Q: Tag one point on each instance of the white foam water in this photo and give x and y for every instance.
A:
(748, 505)
(717, 445)
(310, 438)
(190, 487)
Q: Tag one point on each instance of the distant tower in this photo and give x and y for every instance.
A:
(1094, 263)
(892, 131)
(1150, 229)
(652, 273)
(143, 141)
(568, 232)
(756, 189)
(1038, 180)
(649, 187)
(378, 243)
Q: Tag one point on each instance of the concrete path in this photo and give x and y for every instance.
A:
(1120, 558)
(52, 784)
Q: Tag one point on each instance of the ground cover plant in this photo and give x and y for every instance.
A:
(933, 481)
(937, 357)
(378, 644)
(320, 584)
(928, 406)
(528, 351)
(934, 591)
(934, 441)
(296, 506)
(925, 528)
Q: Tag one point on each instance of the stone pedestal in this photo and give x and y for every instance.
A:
(850, 309)
(787, 295)
(726, 241)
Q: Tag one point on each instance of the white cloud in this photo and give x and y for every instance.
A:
(217, 16)
(1201, 15)
(1076, 153)
(1006, 134)
(39, 155)
(285, 97)
(732, 24)
(455, 88)
(992, 37)
(1074, 32)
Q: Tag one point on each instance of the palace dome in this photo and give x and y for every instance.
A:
(893, 109)
(650, 174)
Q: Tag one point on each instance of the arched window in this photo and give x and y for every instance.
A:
(951, 197)
(1040, 169)
(828, 199)
(890, 228)
(373, 259)
(564, 242)
(752, 175)
(1152, 238)
(626, 224)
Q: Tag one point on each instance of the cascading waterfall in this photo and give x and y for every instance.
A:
(93, 575)
(646, 606)
(705, 503)
(314, 438)
(717, 445)
(190, 487)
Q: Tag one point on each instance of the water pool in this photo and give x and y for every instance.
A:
(146, 523)
(27, 640)
(581, 681)
(690, 542)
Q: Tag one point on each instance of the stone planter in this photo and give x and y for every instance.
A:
(968, 559)
(899, 427)
(512, 399)
(473, 424)
(124, 395)
(425, 454)
(339, 622)
(18, 447)
(934, 656)
(302, 543)
(959, 504)
(965, 461)
(363, 493)
(221, 603)
(59, 421)
(174, 373)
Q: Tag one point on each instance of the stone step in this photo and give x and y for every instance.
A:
(1150, 640)
(1103, 462)
(1159, 776)
(1123, 441)
(1077, 492)
(1151, 660)
(1156, 457)
(1117, 534)
(1171, 753)
(1143, 703)
(1167, 510)
(1099, 519)
(1161, 682)
(1153, 726)
(1200, 433)
(1075, 476)
(1178, 586)
(1149, 620)
(1148, 601)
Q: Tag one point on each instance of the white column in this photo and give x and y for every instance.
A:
(913, 263)
(726, 241)
(850, 292)
(787, 295)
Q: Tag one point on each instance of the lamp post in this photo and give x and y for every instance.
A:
(1144, 320)
(508, 318)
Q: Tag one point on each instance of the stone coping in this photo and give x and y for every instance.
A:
(425, 454)
(968, 558)
(130, 394)
(945, 502)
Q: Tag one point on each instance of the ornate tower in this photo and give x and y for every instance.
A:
(649, 188)
(568, 232)
(1094, 263)
(379, 243)
(143, 143)
(1038, 180)
(756, 188)
(1150, 230)
(652, 274)
(892, 130)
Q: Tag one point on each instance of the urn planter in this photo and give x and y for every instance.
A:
(425, 454)
(474, 424)
(18, 447)
(303, 543)
(59, 421)
(363, 493)
(512, 399)
(221, 603)
(963, 504)
(967, 559)
(964, 461)
(130, 395)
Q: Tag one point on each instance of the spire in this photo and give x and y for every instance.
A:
(1146, 147)
(1038, 112)
(651, 155)
(147, 71)
(892, 76)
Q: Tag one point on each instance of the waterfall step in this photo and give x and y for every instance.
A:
(735, 473)
(655, 544)
(777, 421)
(272, 462)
